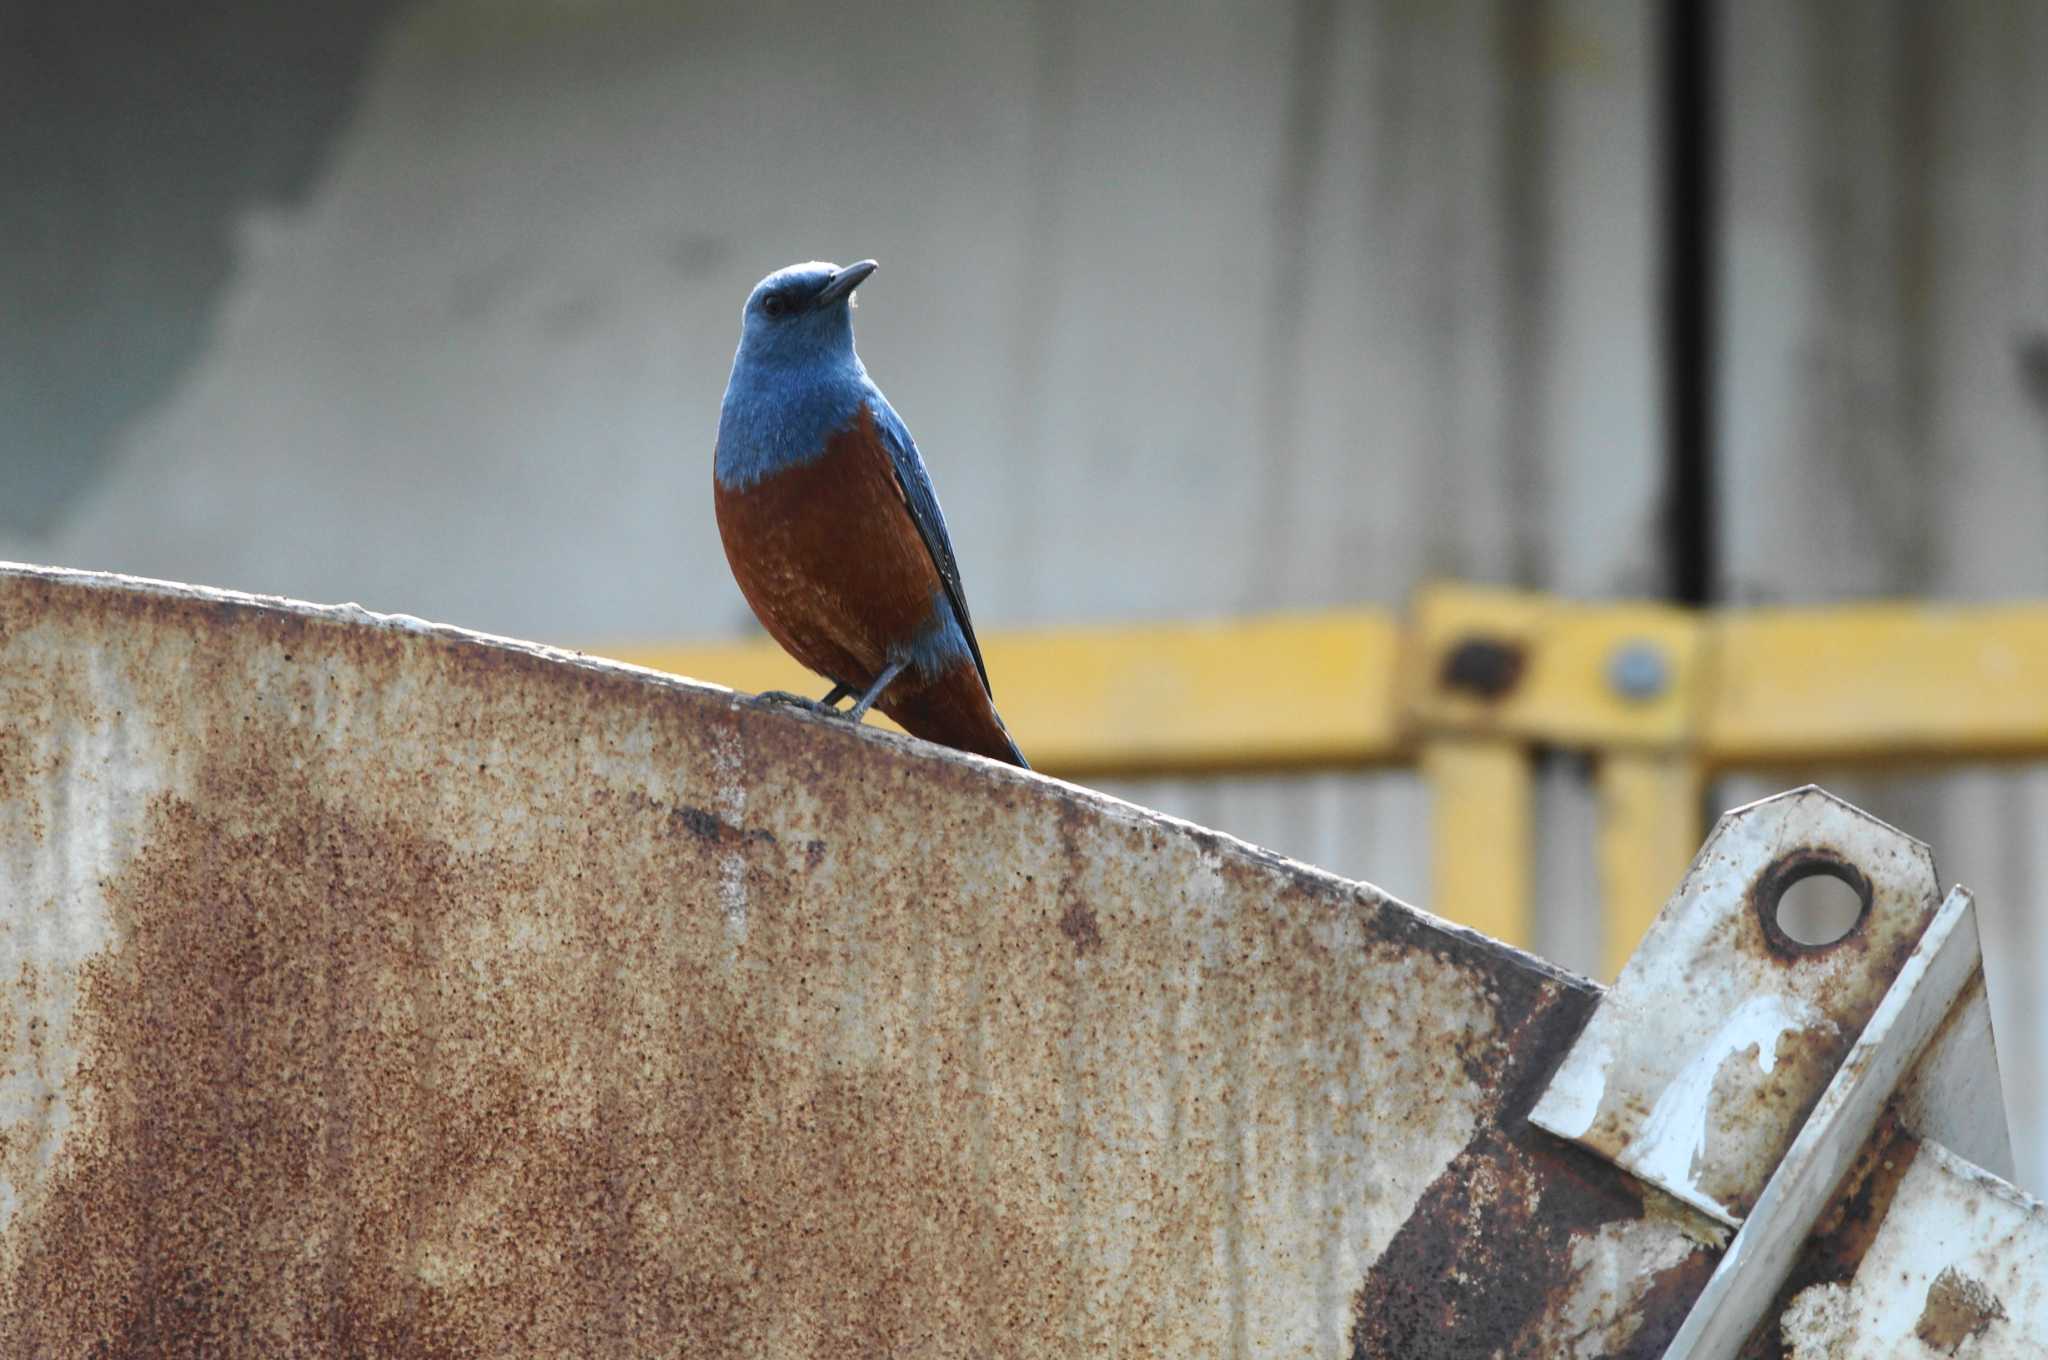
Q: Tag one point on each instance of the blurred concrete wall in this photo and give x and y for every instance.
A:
(132, 140)
(1194, 307)
(1339, 294)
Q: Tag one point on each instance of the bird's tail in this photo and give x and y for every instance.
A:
(1013, 755)
(954, 710)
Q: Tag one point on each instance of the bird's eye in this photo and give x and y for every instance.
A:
(774, 304)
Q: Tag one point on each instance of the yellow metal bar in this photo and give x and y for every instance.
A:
(1557, 668)
(1315, 689)
(1649, 830)
(1481, 835)
(1877, 682)
(1743, 687)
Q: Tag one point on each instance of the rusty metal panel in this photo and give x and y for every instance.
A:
(372, 986)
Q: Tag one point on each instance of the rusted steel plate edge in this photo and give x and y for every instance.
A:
(377, 984)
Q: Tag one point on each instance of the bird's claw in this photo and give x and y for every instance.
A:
(808, 704)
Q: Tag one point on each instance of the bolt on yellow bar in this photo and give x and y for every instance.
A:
(1481, 835)
(1593, 676)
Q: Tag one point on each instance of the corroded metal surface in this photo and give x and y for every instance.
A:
(1938, 981)
(1722, 1032)
(1956, 1264)
(369, 987)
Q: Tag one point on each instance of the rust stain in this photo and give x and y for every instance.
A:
(258, 930)
(1744, 1103)
(1864, 959)
(1805, 1058)
(1958, 1308)
(1077, 923)
(1666, 1303)
(1077, 920)
(343, 1107)
(700, 822)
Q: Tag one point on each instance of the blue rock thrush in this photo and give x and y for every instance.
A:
(831, 525)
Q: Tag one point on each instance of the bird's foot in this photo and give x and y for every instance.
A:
(882, 682)
(804, 702)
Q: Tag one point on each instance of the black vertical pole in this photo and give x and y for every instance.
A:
(1690, 186)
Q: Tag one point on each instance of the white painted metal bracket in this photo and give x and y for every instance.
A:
(1959, 1262)
(1762, 1254)
(1960, 1256)
(1701, 1064)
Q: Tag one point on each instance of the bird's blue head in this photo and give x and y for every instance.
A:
(801, 314)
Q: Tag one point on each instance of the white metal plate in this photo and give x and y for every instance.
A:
(1703, 1062)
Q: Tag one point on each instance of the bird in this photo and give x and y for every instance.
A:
(831, 525)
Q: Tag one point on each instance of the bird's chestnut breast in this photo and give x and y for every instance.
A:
(828, 556)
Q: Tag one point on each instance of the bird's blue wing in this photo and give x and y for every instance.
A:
(916, 485)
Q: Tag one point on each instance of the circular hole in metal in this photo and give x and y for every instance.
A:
(1810, 900)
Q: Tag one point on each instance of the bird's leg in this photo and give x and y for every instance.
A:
(827, 705)
(882, 681)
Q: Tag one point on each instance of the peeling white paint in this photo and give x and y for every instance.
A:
(1814, 1324)
(1922, 999)
(1672, 1144)
(1594, 1319)
(1651, 1085)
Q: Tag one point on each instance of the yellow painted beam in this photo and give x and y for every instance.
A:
(1730, 688)
(1510, 664)
(1738, 687)
(1280, 690)
(1876, 682)
(1481, 836)
(1649, 831)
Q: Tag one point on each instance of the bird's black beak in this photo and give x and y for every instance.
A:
(843, 283)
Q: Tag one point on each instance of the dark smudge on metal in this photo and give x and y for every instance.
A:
(1488, 1256)
(1077, 919)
